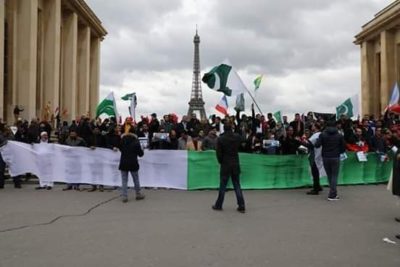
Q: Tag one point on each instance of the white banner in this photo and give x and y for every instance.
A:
(58, 163)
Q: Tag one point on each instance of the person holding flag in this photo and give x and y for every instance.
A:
(133, 104)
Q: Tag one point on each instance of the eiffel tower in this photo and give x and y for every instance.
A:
(196, 102)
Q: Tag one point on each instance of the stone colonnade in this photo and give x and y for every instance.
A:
(49, 57)
(380, 58)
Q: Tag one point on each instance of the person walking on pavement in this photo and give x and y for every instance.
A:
(228, 157)
(332, 146)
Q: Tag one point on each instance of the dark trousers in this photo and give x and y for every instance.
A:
(315, 176)
(2, 170)
(17, 180)
(222, 188)
(332, 166)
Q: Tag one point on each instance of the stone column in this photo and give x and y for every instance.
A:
(2, 18)
(367, 77)
(388, 76)
(12, 32)
(26, 56)
(69, 66)
(94, 75)
(51, 59)
(83, 69)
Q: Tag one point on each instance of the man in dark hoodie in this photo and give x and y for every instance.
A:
(332, 146)
(228, 157)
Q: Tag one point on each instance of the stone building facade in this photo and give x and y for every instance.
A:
(49, 57)
(380, 58)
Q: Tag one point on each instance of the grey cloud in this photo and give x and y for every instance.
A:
(313, 39)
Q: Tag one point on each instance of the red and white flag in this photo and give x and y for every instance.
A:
(394, 100)
(222, 106)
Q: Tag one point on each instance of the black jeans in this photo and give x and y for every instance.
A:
(315, 175)
(17, 180)
(2, 170)
(222, 188)
(332, 166)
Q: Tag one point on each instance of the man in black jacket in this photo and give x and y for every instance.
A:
(228, 157)
(332, 146)
(130, 151)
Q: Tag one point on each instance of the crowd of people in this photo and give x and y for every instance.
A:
(318, 135)
(259, 134)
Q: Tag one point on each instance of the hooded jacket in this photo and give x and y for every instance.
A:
(332, 143)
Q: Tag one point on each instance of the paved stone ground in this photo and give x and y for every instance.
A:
(178, 228)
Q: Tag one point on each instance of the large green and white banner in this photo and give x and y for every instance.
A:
(189, 170)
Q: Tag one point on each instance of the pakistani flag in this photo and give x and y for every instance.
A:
(257, 82)
(107, 106)
(224, 78)
(132, 106)
(128, 96)
(278, 116)
(349, 107)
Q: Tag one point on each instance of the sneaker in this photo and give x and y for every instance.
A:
(313, 192)
(139, 196)
(40, 188)
(241, 209)
(333, 198)
(216, 208)
(124, 199)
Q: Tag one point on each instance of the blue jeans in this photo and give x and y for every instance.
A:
(135, 176)
(222, 188)
(332, 166)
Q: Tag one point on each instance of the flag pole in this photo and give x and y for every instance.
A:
(254, 101)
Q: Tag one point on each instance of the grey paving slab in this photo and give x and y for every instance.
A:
(178, 228)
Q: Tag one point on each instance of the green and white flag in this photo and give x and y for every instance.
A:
(349, 107)
(224, 78)
(278, 116)
(128, 96)
(132, 106)
(257, 82)
(107, 106)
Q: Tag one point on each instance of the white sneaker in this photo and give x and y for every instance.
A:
(333, 198)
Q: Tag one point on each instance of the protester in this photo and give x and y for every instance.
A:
(315, 158)
(289, 142)
(74, 140)
(4, 137)
(172, 140)
(297, 125)
(210, 141)
(44, 140)
(332, 146)
(185, 142)
(228, 157)
(130, 151)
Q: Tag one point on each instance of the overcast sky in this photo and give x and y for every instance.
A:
(304, 49)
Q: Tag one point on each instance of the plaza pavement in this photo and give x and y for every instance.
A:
(179, 228)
